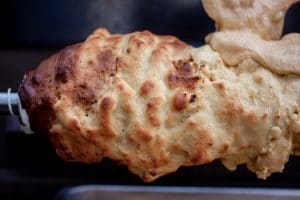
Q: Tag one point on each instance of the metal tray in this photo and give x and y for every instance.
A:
(93, 192)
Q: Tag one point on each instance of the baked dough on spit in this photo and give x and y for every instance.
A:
(155, 103)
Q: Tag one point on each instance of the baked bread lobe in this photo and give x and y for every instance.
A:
(155, 103)
(262, 17)
(253, 29)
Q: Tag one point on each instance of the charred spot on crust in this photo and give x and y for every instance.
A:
(193, 98)
(187, 82)
(84, 95)
(38, 101)
(37, 104)
(224, 148)
(106, 60)
(152, 172)
(120, 62)
(265, 115)
(36, 79)
(42, 117)
(40, 88)
(66, 62)
(91, 62)
(62, 73)
(220, 86)
(180, 101)
(153, 109)
(146, 88)
(105, 67)
(106, 109)
(197, 158)
(106, 104)
(183, 77)
(183, 68)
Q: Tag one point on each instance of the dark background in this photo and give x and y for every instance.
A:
(31, 30)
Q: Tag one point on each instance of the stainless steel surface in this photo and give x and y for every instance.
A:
(93, 192)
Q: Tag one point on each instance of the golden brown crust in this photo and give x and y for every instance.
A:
(155, 103)
(183, 75)
(180, 101)
(147, 87)
(153, 108)
(106, 109)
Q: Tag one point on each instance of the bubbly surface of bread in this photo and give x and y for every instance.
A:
(155, 103)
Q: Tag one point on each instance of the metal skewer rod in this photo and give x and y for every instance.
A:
(10, 104)
(5, 101)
